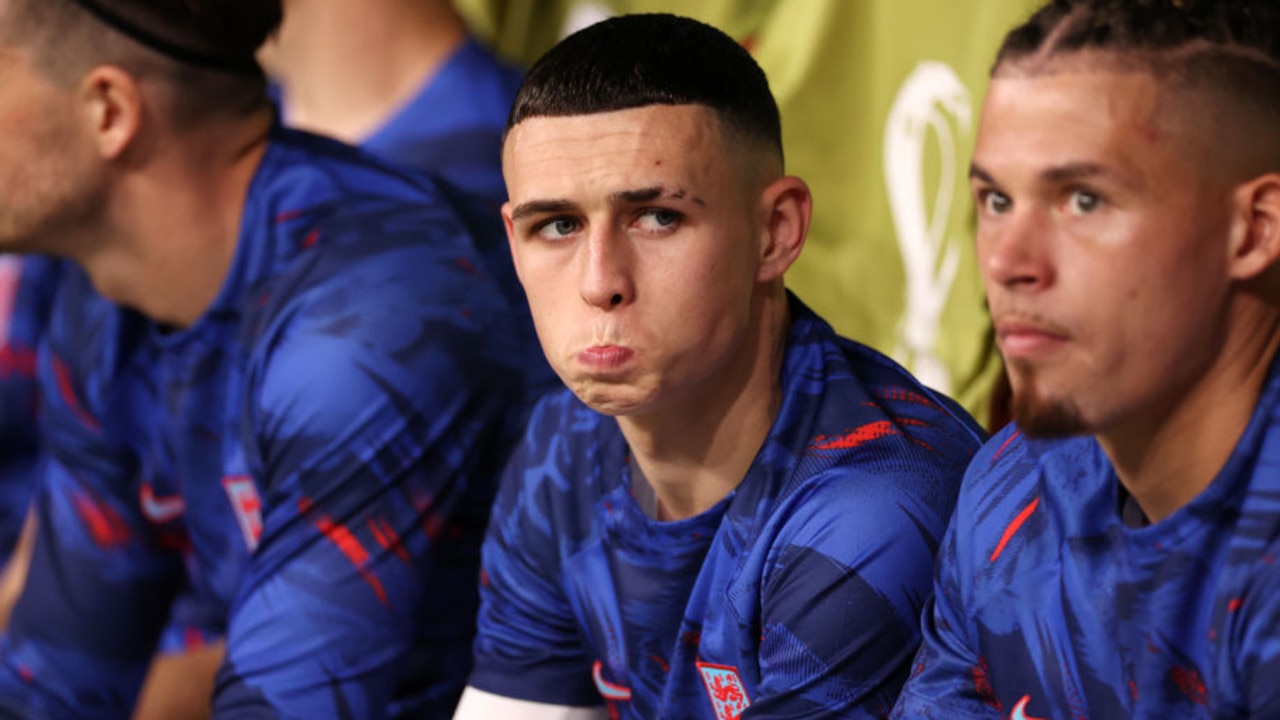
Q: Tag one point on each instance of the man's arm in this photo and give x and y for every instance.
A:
(97, 591)
(948, 679)
(99, 583)
(378, 421)
(850, 570)
(528, 642)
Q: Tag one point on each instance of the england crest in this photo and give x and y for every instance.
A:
(724, 688)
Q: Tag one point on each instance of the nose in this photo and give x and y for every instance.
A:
(1016, 252)
(607, 281)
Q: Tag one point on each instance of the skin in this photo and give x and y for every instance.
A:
(48, 180)
(347, 67)
(651, 249)
(1126, 248)
(99, 170)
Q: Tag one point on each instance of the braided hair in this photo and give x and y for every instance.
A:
(1227, 48)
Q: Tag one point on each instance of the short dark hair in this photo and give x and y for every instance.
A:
(652, 59)
(1230, 46)
(70, 35)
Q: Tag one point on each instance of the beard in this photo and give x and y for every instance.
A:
(1039, 416)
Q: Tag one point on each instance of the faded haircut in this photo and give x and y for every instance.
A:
(206, 48)
(652, 59)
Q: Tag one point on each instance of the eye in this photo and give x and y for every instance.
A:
(993, 202)
(1083, 202)
(556, 228)
(658, 220)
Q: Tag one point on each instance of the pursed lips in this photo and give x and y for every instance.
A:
(606, 357)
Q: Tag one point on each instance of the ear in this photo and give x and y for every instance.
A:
(1255, 237)
(511, 239)
(786, 205)
(112, 101)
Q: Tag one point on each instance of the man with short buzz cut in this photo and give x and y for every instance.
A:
(278, 376)
(1114, 550)
(731, 511)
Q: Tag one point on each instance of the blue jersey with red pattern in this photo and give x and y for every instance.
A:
(27, 286)
(315, 456)
(796, 596)
(1049, 605)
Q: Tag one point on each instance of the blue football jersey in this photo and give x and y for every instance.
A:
(798, 595)
(27, 286)
(1049, 605)
(314, 458)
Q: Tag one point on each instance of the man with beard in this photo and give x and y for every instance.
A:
(1113, 552)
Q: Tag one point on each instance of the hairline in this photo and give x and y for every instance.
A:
(727, 129)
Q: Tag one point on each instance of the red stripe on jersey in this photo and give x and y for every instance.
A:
(104, 524)
(1013, 527)
(69, 396)
(1007, 440)
(19, 361)
(388, 538)
(346, 542)
(849, 440)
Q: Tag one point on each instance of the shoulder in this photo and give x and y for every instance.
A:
(1020, 497)
(848, 511)
(868, 393)
(378, 260)
(315, 186)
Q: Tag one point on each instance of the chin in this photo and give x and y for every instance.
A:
(1042, 416)
(613, 399)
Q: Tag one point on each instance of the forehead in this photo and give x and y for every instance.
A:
(1109, 118)
(606, 152)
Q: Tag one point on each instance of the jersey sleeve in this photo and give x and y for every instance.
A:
(100, 580)
(378, 420)
(948, 677)
(847, 575)
(528, 645)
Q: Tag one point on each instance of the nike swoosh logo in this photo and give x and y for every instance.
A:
(1020, 710)
(608, 690)
(160, 510)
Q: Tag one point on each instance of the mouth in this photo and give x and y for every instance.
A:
(1023, 339)
(606, 357)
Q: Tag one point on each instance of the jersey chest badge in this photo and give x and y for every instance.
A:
(724, 688)
(247, 506)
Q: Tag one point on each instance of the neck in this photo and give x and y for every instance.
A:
(347, 66)
(694, 452)
(1167, 459)
(173, 221)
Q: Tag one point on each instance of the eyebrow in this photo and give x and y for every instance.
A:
(642, 195)
(621, 197)
(1056, 175)
(539, 207)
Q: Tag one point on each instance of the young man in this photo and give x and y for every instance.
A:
(280, 375)
(733, 507)
(1114, 551)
